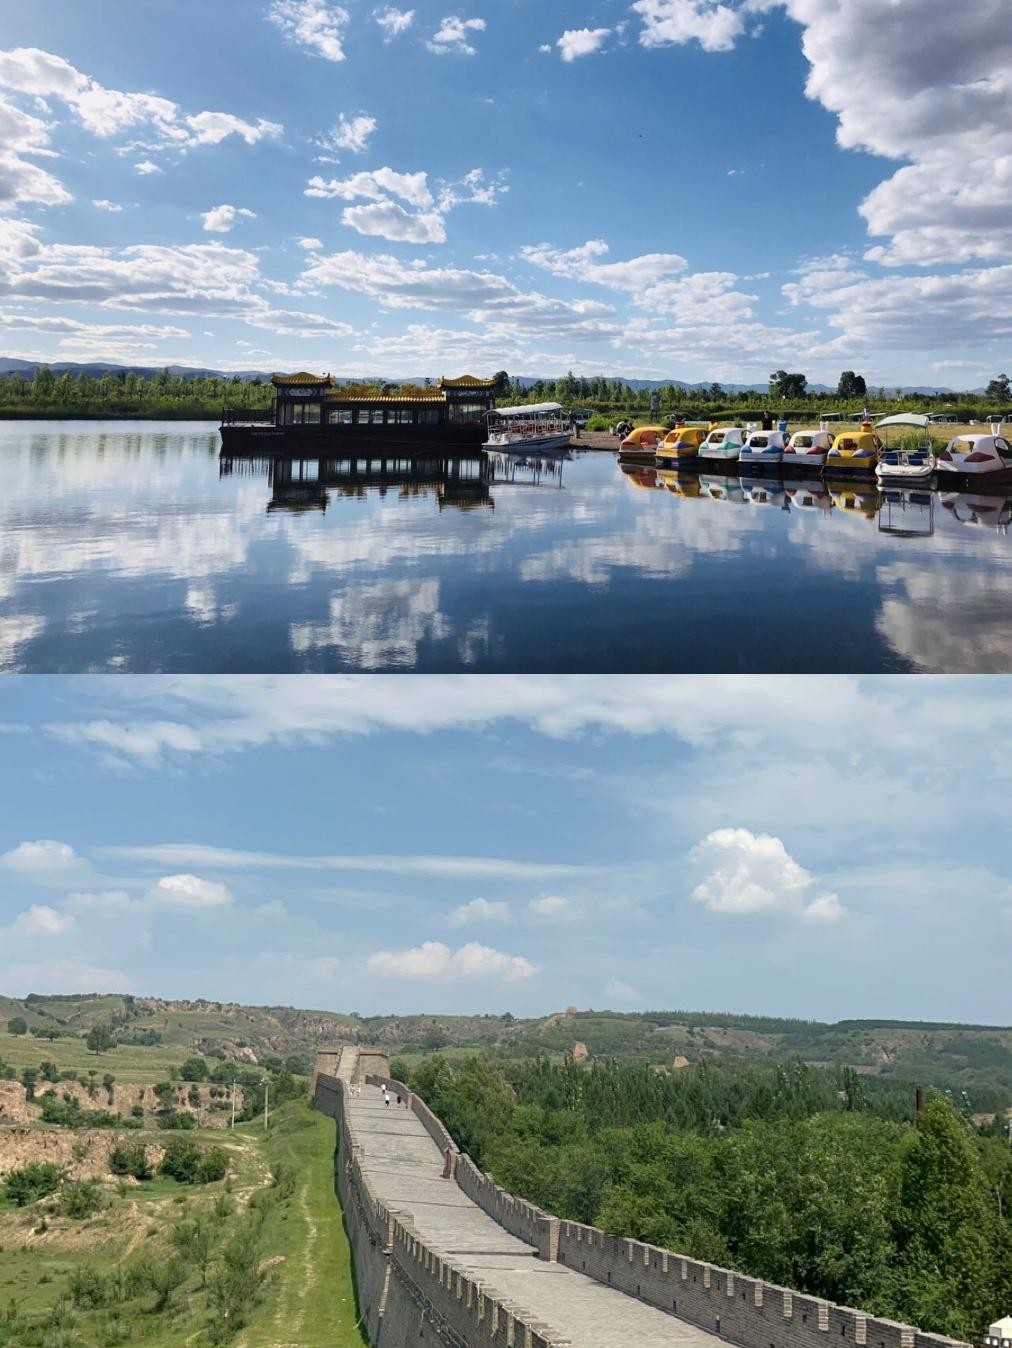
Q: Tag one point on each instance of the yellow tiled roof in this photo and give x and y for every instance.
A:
(423, 395)
(466, 381)
(301, 378)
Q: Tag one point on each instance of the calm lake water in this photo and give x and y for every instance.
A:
(134, 547)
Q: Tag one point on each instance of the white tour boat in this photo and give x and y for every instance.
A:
(538, 426)
(916, 464)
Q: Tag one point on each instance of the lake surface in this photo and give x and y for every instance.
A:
(132, 546)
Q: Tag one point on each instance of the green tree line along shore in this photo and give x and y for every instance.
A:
(167, 396)
(819, 1180)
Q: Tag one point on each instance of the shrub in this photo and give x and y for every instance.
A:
(599, 423)
(81, 1198)
(181, 1160)
(87, 1288)
(32, 1182)
(176, 1120)
(213, 1165)
(130, 1158)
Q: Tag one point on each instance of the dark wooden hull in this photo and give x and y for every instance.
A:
(335, 441)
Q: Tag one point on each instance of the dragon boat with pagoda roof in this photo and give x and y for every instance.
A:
(316, 412)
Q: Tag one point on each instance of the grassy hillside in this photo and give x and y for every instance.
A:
(977, 1059)
(90, 1282)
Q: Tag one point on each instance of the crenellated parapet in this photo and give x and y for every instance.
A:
(398, 1267)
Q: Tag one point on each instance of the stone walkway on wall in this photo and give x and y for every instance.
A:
(404, 1166)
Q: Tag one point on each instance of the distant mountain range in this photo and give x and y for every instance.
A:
(96, 369)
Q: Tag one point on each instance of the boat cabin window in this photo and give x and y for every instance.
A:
(341, 416)
(370, 416)
(467, 412)
(302, 414)
(803, 441)
(717, 438)
(428, 416)
(962, 446)
(1002, 445)
(760, 441)
(400, 416)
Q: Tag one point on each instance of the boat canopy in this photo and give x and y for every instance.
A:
(532, 409)
(904, 419)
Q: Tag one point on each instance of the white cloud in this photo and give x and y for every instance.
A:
(108, 112)
(634, 275)
(714, 26)
(483, 297)
(45, 857)
(552, 908)
(393, 21)
(930, 92)
(576, 42)
(42, 921)
(20, 179)
(350, 134)
(62, 976)
(480, 910)
(311, 245)
(621, 992)
(111, 206)
(453, 36)
(445, 867)
(312, 24)
(388, 219)
(105, 901)
(190, 891)
(434, 961)
(747, 873)
(222, 219)
(145, 168)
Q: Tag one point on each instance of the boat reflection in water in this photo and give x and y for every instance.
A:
(300, 485)
(524, 469)
(902, 511)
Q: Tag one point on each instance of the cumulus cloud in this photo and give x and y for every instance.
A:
(552, 908)
(453, 36)
(715, 26)
(108, 112)
(351, 133)
(42, 921)
(312, 24)
(926, 91)
(393, 21)
(190, 891)
(21, 180)
(146, 167)
(111, 206)
(483, 297)
(421, 220)
(633, 275)
(576, 42)
(479, 910)
(208, 278)
(746, 873)
(222, 219)
(433, 961)
(42, 858)
(104, 901)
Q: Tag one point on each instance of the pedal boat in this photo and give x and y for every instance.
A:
(763, 449)
(642, 442)
(977, 456)
(853, 452)
(911, 466)
(807, 449)
(680, 446)
(724, 443)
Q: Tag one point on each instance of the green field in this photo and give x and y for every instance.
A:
(304, 1297)
(128, 1064)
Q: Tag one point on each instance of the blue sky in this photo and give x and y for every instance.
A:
(697, 189)
(818, 847)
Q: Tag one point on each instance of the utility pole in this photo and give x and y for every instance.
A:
(267, 1092)
(233, 1105)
